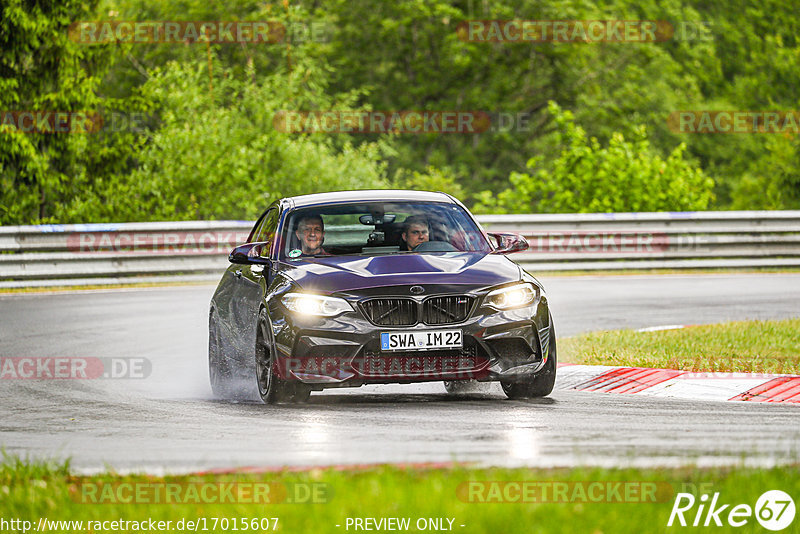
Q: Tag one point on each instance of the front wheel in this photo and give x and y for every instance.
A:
(541, 384)
(272, 388)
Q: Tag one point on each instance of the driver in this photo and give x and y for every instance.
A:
(311, 233)
(415, 231)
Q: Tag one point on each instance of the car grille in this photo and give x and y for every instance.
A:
(472, 359)
(391, 312)
(407, 312)
(446, 310)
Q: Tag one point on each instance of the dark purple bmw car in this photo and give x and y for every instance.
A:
(362, 287)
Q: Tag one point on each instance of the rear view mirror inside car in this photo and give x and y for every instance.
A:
(377, 219)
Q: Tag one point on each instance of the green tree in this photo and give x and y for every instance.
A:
(42, 70)
(401, 55)
(587, 177)
(757, 52)
(771, 182)
(407, 54)
(217, 154)
(432, 179)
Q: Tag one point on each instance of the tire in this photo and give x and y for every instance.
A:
(220, 374)
(541, 384)
(271, 388)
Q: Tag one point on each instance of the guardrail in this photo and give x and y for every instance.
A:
(197, 250)
(670, 240)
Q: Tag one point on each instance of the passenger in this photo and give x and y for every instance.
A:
(311, 233)
(415, 231)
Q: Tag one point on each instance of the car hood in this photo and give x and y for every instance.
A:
(347, 273)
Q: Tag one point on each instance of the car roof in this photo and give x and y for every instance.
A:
(367, 196)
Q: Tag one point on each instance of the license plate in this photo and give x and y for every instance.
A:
(423, 340)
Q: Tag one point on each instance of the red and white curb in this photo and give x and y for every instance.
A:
(712, 386)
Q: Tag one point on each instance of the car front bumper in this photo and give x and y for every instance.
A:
(343, 351)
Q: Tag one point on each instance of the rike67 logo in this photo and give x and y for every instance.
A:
(774, 510)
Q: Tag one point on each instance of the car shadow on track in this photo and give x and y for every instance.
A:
(332, 400)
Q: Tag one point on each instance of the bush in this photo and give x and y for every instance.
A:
(588, 178)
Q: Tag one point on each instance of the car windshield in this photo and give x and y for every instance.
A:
(372, 228)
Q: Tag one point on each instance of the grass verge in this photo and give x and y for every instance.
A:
(744, 346)
(586, 500)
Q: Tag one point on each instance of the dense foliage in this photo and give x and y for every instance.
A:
(589, 178)
(584, 124)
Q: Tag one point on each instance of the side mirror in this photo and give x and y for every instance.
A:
(508, 242)
(250, 253)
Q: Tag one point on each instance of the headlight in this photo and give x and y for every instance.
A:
(510, 297)
(316, 304)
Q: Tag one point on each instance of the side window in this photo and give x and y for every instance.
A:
(266, 232)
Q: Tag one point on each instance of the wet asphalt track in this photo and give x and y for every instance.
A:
(170, 422)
